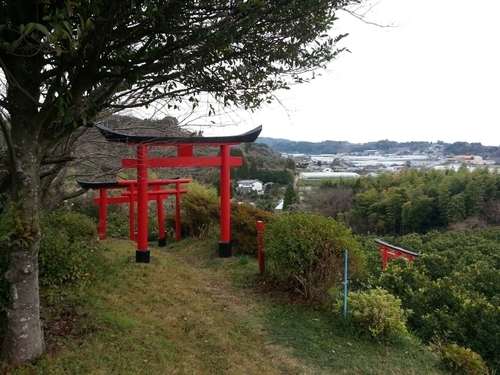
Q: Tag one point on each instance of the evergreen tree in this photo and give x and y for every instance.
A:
(455, 210)
(253, 170)
(290, 197)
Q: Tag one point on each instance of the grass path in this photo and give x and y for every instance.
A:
(190, 313)
(168, 317)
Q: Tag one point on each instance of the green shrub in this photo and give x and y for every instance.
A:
(83, 204)
(201, 214)
(201, 218)
(306, 253)
(67, 252)
(453, 287)
(153, 225)
(117, 225)
(375, 314)
(244, 219)
(460, 360)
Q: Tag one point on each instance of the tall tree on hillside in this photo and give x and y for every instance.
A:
(291, 197)
(66, 61)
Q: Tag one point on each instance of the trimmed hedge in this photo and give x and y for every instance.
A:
(306, 253)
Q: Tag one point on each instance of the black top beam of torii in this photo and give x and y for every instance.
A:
(116, 136)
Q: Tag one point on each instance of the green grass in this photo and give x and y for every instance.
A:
(192, 313)
(322, 340)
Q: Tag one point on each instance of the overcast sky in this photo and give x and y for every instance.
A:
(434, 76)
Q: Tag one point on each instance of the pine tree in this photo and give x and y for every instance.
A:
(290, 197)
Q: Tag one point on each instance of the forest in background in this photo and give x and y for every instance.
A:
(411, 201)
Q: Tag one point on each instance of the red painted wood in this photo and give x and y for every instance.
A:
(131, 212)
(213, 161)
(178, 216)
(101, 229)
(185, 150)
(225, 195)
(389, 251)
(142, 199)
(130, 196)
(161, 215)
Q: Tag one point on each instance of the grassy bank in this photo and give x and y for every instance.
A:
(191, 313)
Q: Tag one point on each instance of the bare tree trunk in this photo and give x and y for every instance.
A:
(24, 337)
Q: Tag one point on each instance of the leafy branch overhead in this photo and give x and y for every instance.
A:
(105, 52)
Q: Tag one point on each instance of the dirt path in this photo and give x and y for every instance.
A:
(247, 307)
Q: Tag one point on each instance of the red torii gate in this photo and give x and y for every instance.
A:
(130, 197)
(184, 158)
(390, 251)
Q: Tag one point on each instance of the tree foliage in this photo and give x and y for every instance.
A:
(65, 62)
(453, 287)
(331, 202)
(375, 314)
(291, 197)
(416, 201)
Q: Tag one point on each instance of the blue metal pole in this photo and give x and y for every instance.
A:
(346, 255)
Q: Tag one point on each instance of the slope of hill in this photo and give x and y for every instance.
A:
(191, 313)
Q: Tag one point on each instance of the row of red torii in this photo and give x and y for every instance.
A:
(139, 190)
(155, 192)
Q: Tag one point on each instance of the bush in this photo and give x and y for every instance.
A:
(244, 219)
(153, 225)
(375, 314)
(453, 287)
(460, 360)
(306, 253)
(67, 253)
(83, 204)
(117, 225)
(201, 218)
(4, 285)
(201, 214)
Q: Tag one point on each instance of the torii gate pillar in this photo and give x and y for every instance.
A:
(225, 204)
(142, 254)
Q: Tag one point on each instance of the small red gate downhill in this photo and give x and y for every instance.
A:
(390, 251)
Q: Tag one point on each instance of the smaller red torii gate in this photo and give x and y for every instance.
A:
(130, 196)
(390, 251)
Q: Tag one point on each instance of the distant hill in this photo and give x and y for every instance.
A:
(287, 146)
(466, 148)
(386, 146)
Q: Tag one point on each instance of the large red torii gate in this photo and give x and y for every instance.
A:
(184, 158)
